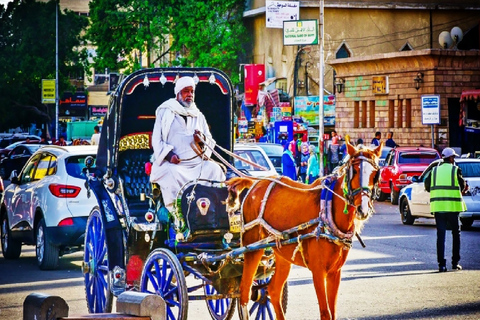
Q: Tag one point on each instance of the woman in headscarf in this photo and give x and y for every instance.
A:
(304, 162)
(288, 162)
(313, 169)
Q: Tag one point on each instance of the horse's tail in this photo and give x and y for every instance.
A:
(235, 187)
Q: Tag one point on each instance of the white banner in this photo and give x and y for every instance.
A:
(278, 11)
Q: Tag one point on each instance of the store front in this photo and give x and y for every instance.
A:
(469, 121)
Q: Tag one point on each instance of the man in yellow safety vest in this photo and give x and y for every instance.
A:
(446, 185)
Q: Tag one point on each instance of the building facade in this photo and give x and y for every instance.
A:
(396, 106)
(368, 44)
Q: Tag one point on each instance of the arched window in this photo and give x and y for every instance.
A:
(343, 52)
(406, 47)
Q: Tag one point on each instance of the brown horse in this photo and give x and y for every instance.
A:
(275, 205)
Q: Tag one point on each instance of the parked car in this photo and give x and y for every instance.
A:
(47, 205)
(16, 158)
(383, 156)
(400, 164)
(414, 200)
(4, 152)
(256, 154)
(7, 140)
(274, 152)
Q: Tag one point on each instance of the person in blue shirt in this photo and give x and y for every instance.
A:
(390, 143)
(288, 162)
(376, 141)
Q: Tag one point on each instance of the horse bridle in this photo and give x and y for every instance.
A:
(349, 192)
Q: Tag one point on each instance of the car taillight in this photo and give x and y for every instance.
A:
(64, 191)
(66, 222)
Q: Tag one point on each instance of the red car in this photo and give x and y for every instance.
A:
(401, 163)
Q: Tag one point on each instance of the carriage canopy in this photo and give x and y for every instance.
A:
(131, 115)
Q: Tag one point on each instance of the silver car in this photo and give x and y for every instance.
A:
(47, 205)
(414, 200)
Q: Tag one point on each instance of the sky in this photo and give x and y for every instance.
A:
(4, 2)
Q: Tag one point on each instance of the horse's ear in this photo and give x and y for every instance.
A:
(350, 148)
(378, 150)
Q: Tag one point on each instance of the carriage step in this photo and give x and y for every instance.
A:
(130, 306)
(106, 316)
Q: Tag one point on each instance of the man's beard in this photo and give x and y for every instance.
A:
(184, 103)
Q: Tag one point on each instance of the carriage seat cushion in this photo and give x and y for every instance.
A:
(131, 169)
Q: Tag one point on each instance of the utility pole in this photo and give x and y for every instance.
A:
(56, 70)
(321, 128)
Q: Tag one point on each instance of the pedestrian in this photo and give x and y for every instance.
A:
(289, 168)
(333, 155)
(446, 185)
(61, 141)
(376, 140)
(95, 140)
(176, 144)
(313, 168)
(359, 142)
(304, 162)
(298, 152)
(390, 143)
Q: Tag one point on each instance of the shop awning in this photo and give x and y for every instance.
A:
(470, 95)
(467, 95)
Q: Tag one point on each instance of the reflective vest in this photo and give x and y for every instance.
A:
(445, 194)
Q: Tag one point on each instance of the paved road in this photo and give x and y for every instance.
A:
(395, 277)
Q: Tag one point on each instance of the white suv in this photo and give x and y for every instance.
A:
(47, 205)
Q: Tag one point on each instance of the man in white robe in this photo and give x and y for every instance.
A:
(176, 162)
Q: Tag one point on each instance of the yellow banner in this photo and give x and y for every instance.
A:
(48, 90)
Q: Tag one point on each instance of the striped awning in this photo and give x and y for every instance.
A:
(470, 95)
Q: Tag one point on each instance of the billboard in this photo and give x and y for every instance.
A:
(307, 108)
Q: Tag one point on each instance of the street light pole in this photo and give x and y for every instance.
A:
(56, 70)
(320, 92)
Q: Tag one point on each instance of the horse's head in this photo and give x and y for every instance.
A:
(361, 175)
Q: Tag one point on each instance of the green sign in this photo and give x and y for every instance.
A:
(300, 32)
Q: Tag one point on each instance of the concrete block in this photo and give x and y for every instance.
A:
(39, 306)
(142, 304)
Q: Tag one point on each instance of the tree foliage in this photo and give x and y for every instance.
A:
(207, 33)
(27, 55)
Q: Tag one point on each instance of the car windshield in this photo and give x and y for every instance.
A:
(272, 149)
(385, 151)
(33, 147)
(75, 165)
(417, 157)
(470, 169)
(253, 156)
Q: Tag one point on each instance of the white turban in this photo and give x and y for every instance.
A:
(182, 83)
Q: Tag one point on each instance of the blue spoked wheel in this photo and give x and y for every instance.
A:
(95, 265)
(220, 309)
(260, 306)
(163, 275)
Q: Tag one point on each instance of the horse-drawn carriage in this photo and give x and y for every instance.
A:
(133, 243)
